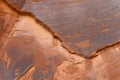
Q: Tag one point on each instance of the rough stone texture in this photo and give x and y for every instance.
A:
(8, 18)
(105, 66)
(83, 25)
(68, 70)
(18, 4)
(30, 52)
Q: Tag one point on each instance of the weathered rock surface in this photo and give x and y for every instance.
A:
(106, 65)
(83, 25)
(29, 51)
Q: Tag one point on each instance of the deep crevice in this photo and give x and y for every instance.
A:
(31, 67)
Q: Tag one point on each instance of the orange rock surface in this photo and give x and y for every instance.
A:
(30, 51)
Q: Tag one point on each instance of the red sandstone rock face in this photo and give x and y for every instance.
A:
(83, 25)
(29, 51)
